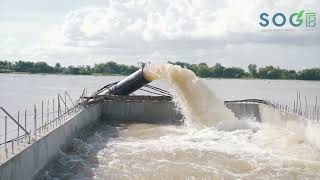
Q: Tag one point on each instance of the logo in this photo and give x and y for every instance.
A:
(303, 19)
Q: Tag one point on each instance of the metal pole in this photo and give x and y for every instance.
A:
(58, 109)
(313, 113)
(18, 127)
(300, 108)
(47, 126)
(5, 135)
(53, 112)
(15, 121)
(35, 121)
(318, 115)
(42, 127)
(297, 102)
(305, 111)
(29, 141)
(12, 146)
(315, 109)
(25, 123)
(65, 100)
(69, 98)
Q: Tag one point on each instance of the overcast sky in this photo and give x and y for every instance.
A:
(128, 31)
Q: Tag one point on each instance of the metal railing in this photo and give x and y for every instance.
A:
(26, 127)
(301, 109)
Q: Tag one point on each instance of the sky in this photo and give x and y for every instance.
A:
(129, 31)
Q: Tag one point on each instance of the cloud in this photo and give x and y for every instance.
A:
(150, 23)
(192, 30)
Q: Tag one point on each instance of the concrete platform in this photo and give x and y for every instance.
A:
(33, 157)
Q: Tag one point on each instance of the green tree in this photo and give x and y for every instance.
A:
(233, 72)
(309, 74)
(57, 68)
(203, 70)
(217, 70)
(41, 67)
(6, 66)
(252, 70)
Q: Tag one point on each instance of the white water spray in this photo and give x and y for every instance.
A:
(199, 105)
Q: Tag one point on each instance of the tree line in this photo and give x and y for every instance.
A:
(201, 70)
(42, 67)
(253, 71)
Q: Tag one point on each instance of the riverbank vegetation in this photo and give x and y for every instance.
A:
(201, 70)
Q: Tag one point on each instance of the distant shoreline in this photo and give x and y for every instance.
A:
(62, 74)
(111, 75)
(202, 70)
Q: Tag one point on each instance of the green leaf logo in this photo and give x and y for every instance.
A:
(300, 14)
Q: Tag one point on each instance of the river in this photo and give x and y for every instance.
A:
(144, 151)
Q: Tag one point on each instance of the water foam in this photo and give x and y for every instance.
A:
(199, 105)
(147, 151)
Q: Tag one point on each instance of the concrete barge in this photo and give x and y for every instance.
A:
(31, 158)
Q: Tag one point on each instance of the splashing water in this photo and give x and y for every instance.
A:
(199, 105)
(148, 151)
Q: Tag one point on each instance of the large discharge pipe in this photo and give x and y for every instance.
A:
(130, 84)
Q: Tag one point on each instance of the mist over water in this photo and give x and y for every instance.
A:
(202, 149)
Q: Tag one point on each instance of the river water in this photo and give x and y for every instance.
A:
(144, 151)
(19, 91)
